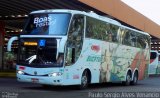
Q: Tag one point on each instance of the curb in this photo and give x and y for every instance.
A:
(7, 74)
(154, 75)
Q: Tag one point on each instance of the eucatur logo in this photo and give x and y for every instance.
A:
(95, 48)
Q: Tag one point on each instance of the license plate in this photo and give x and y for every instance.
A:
(34, 80)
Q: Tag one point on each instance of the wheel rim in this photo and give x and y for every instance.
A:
(128, 79)
(84, 81)
(135, 79)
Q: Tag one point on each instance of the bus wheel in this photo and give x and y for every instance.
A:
(84, 80)
(128, 79)
(135, 79)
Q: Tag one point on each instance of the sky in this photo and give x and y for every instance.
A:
(149, 8)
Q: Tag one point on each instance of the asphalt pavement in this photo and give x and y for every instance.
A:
(148, 88)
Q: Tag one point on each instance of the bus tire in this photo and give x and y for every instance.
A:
(135, 79)
(128, 79)
(84, 80)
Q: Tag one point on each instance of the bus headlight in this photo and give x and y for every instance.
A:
(20, 72)
(55, 74)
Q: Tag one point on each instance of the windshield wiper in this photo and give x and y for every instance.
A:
(31, 58)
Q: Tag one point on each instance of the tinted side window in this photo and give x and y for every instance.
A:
(114, 32)
(101, 30)
(133, 38)
(95, 28)
(147, 41)
(126, 37)
(141, 41)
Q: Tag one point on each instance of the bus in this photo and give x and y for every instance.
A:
(70, 47)
(154, 66)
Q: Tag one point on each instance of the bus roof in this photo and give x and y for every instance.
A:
(90, 14)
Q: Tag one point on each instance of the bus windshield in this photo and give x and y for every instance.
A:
(47, 24)
(39, 52)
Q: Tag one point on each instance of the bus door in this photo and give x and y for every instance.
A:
(74, 47)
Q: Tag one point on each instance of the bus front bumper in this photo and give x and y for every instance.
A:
(41, 79)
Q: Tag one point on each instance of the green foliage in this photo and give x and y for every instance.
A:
(8, 56)
(8, 60)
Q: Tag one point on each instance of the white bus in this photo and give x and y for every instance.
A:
(69, 47)
(154, 66)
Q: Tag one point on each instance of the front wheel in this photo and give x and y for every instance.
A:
(84, 80)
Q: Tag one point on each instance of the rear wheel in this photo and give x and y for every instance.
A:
(84, 80)
(135, 79)
(128, 79)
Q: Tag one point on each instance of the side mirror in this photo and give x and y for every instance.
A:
(10, 42)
